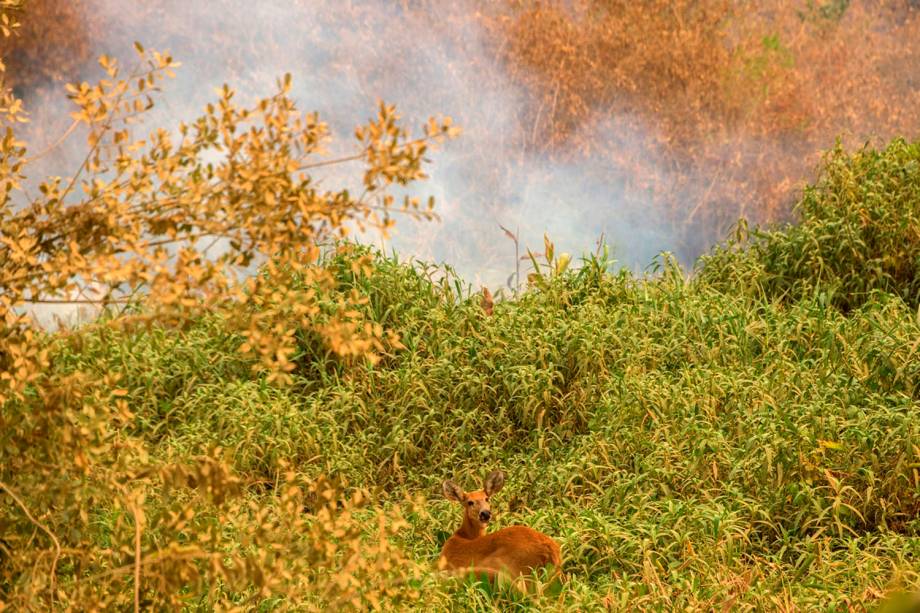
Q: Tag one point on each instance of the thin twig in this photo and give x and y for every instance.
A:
(704, 199)
(102, 300)
(358, 156)
(106, 127)
(43, 528)
(137, 557)
(158, 557)
(53, 145)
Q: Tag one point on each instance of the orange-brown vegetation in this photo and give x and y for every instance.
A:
(52, 44)
(737, 99)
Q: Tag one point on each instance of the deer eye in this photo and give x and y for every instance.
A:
(470, 503)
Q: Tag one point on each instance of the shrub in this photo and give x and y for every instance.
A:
(84, 503)
(858, 232)
(657, 428)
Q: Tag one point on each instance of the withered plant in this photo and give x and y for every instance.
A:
(734, 101)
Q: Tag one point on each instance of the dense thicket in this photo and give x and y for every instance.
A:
(858, 233)
(732, 439)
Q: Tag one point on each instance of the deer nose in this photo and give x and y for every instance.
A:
(485, 516)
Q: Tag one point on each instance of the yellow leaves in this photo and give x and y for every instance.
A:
(109, 65)
(11, 108)
(123, 411)
(562, 262)
(20, 250)
(391, 156)
(133, 228)
(554, 265)
(8, 25)
(362, 265)
(285, 84)
(165, 63)
(437, 131)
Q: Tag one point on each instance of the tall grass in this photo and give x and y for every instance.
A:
(693, 443)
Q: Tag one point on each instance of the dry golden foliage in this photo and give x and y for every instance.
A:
(181, 221)
(705, 110)
(219, 217)
(10, 107)
(306, 541)
(9, 17)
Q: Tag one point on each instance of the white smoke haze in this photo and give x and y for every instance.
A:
(344, 56)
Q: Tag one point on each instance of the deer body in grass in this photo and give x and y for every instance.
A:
(513, 552)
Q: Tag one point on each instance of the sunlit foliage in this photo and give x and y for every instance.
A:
(857, 234)
(250, 421)
(220, 218)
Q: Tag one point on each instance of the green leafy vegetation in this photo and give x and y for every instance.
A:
(858, 233)
(744, 438)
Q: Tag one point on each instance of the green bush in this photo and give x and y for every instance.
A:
(729, 440)
(858, 232)
(667, 433)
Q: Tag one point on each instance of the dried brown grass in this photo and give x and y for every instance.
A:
(53, 42)
(738, 102)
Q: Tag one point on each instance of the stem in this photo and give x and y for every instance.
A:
(137, 558)
(43, 528)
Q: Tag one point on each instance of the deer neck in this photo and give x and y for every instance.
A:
(470, 529)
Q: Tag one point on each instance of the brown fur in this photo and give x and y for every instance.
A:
(514, 551)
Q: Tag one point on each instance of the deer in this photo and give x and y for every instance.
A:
(511, 552)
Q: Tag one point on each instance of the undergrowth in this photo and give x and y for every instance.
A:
(745, 438)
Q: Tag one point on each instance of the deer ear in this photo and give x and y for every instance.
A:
(452, 491)
(494, 482)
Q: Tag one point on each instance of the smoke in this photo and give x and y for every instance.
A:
(344, 56)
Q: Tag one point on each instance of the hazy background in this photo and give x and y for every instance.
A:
(652, 126)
